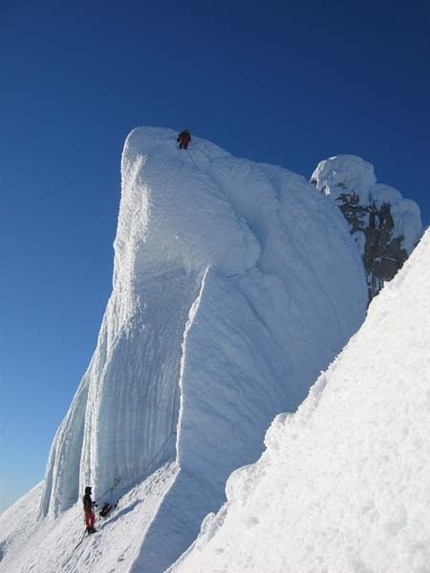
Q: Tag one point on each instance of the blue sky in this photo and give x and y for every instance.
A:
(284, 84)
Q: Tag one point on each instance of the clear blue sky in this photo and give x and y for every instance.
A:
(284, 83)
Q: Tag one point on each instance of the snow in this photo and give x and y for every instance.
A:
(234, 285)
(60, 545)
(351, 174)
(343, 483)
(341, 172)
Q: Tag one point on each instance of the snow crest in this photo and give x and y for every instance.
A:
(234, 284)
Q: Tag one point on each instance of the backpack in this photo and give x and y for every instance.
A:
(106, 509)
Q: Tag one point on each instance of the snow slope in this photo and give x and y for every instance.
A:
(234, 284)
(343, 486)
(60, 545)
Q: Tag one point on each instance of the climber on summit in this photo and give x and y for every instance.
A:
(184, 139)
(89, 511)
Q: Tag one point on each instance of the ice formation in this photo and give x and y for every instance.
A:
(234, 284)
(343, 484)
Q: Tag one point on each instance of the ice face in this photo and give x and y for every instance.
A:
(234, 284)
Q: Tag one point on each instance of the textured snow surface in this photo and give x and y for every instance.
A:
(351, 174)
(234, 285)
(49, 546)
(343, 486)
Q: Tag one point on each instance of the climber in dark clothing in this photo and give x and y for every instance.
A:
(184, 139)
(89, 511)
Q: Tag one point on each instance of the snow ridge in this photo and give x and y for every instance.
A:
(234, 284)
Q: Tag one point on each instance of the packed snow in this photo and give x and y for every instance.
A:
(61, 545)
(343, 486)
(234, 285)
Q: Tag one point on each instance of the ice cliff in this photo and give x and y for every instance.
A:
(234, 285)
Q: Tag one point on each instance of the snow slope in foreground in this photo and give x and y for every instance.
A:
(343, 486)
(235, 283)
(60, 545)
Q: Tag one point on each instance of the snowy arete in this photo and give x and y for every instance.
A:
(235, 284)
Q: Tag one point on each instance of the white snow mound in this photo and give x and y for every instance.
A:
(234, 284)
(343, 486)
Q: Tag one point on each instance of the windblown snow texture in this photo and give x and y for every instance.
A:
(234, 284)
(343, 485)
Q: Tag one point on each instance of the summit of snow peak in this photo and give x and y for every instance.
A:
(235, 283)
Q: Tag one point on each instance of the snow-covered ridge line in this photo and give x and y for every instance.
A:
(235, 283)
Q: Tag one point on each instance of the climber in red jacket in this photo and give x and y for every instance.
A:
(184, 139)
(89, 511)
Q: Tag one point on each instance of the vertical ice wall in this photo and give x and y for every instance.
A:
(235, 283)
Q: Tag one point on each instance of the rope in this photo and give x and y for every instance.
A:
(242, 272)
(148, 465)
(110, 489)
(82, 538)
(192, 158)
